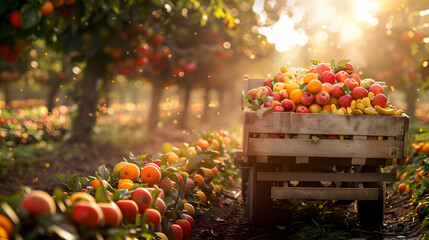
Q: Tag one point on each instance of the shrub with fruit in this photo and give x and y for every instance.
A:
(321, 88)
(142, 196)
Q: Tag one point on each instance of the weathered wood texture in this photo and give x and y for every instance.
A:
(324, 193)
(314, 176)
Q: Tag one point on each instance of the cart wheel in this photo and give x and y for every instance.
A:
(259, 197)
(371, 212)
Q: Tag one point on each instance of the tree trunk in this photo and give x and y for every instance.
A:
(206, 102)
(54, 87)
(411, 99)
(154, 105)
(85, 119)
(7, 95)
(186, 100)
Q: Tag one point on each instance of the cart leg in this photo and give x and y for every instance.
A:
(371, 212)
(244, 183)
(259, 197)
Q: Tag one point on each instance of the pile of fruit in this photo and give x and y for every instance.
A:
(322, 88)
(144, 197)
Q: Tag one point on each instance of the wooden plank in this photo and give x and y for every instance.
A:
(327, 124)
(300, 159)
(318, 176)
(406, 130)
(358, 161)
(245, 137)
(254, 82)
(323, 148)
(324, 193)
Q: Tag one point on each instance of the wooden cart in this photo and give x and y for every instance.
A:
(350, 169)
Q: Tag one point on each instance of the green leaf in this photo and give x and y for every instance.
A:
(60, 179)
(104, 173)
(333, 64)
(346, 89)
(197, 159)
(74, 184)
(115, 4)
(169, 201)
(167, 147)
(260, 113)
(304, 87)
(30, 16)
(274, 81)
(342, 62)
(315, 62)
(101, 194)
(315, 138)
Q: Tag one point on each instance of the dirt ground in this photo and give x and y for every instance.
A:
(230, 218)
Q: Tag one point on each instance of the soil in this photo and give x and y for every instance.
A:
(229, 219)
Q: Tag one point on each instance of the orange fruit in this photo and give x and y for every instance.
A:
(81, 196)
(180, 175)
(218, 188)
(190, 210)
(6, 224)
(47, 8)
(220, 160)
(292, 86)
(130, 171)
(125, 185)
(295, 95)
(3, 234)
(402, 178)
(125, 181)
(213, 197)
(314, 86)
(150, 175)
(308, 77)
(327, 107)
(425, 148)
(202, 143)
(118, 167)
(199, 179)
(183, 168)
(402, 187)
(171, 157)
(208, 173)
(96, 183)
(215, 144)
(191, 151)
(202, 196)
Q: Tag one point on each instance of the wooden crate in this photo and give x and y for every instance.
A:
(306, 159)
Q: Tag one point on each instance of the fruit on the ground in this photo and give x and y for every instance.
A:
(153, 217)
(87, 214)
(202, 196)
(376, 88)
(212, 197)
(161, 235)
(129, 209)
(178, 232)
(307, 98)
(130, 171)
(328, 77)
(15, 19)
(143, 198)
(199, 180)
(189, 219)
(160, 204)
(345, 100)
(341, 76)
(6, 224)
(38, 203)
(323, 98)
(150, 175)
(118, 167)
(402, 187)
(186, 227)
(189, 209)
(302, 109)
(165, 184)
(81, 196)
(112, 214)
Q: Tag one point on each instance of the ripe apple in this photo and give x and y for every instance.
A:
(359, 92)
(278, 75)
(160, 204)
(274, 135)
(215, 170)
(337, 90)
(307, 98)
(323, 98)
(283, 94)
(157, 162)
(268, 83)
(326, 87)
(288, 105)
(299, 77)
(177, 231)
(153, 217)
(252, 93)
(333, 137)
(276, 96)
(321, 68)
(189, 185)
(129, 209)
(189, 219)
(328, 77)
(286, 77)
(315, 108)
(279, 109)
(294, 71)
(88, 214)
(302, 109)
(341, 76)
(279, 86)
(112, 214)
(186, 227)
(38, 203)
(275, 103)
(264, 90)
(376, 89)
(380, 100)
(355, 77)
(351, 83)
(348, 68)
(142, 197)
(345, 100)
(165, 184)
(367, 82)
(267, 104)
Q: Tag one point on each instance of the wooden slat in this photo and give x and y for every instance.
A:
(323, 148)
(327, 124)
(253, 82)
(406, 129)
(358, 161)
(317, 176)
(324, 193)
(245, 137)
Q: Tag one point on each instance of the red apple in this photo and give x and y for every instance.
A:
(286, 77)
(177, 231)
(288, 105)
(276, 96)
(267, 104)
(328, 77)
(142, 197)
(38, 203)
(376, 89)
(88, 214)
(186, 227)
(348, 68)
(252, 93)
(278, 76)
(157, 162)
(341, 76)
(323, 98)
(112, 214)
(153, 217)
(326, 87)
(321, 68)
(279, 109)
(274, 135)
(302, 109)
(380, 100)
(160, 204)
(307, 98)
(215, 170)
(189, 219)
(359, 92)
(345, 100)
(129, 209)
(275, 104)
(165, 184)
(333, 137)
(355, 77)
(283, 94)
(268, 83)
(337, 90)
(351, 83)
(315, 108)
(189, 185)
(261, 91)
